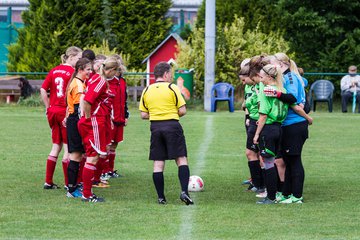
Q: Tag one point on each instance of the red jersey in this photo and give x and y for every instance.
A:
(56, 81)
(99, 96)
(119, 113)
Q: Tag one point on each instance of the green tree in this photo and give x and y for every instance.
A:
(320, 32)
(233, 44)
(132, 27)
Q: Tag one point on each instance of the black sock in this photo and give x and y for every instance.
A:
(262, 178)
(280, 186)
(73, 170)
(255, 173)
(271, 182)
(184, 175)
(158, 178)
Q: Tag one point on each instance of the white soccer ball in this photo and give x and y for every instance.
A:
(196, 184)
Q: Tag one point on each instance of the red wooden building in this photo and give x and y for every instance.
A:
(165, 51)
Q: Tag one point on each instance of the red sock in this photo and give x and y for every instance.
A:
(99, 169)
(106, 167)
(112, 155)
(88, 176)
(50, 169)
(65, 164)
(81, 167)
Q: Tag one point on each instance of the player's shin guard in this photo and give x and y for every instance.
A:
(50, 169)
(158, 178)
(112, 155)
(81, 167)
(271, 182)
(65, 164)
(88, 176)
(99, 169)
(255, 173)
(184, 175)
(73, 170)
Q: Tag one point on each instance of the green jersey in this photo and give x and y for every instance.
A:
(251, 101)
(275, 109)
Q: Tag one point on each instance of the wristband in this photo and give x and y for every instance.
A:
(278, 94)
(247, 116)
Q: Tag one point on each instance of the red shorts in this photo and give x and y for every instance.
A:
(55, 116)
(117, 133)
(93, 134)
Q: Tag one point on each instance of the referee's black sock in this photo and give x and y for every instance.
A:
(255, 173)
(158, 178)
(184, 175)
(73, 170)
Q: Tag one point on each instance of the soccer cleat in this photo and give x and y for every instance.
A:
(51, 186)
(250, 187)
(261, 194)
(93, 198)
(75, 194)
(185, 198)
(266, 201)
(285, 199)
(162, 201)
(114, 174)
(247, 181)
(296, 200)
(105, 177)
(278, 196)
(100, 185)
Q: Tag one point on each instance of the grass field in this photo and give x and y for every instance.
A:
(216, 152)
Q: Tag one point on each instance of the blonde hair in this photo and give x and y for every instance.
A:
(122, 68)
(70, 51)
(109, 63)
(275, 73)
(282, 57)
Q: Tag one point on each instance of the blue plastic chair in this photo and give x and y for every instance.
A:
(322, 91)
(222, 92)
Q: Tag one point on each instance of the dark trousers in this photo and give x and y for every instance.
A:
(347, 97)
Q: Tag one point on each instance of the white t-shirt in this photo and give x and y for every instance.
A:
(347, 81)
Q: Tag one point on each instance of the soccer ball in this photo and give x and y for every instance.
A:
(196, 184)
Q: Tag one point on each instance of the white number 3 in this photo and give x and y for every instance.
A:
(59, 86)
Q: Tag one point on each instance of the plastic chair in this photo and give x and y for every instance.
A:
(222, 92)
(322, 91)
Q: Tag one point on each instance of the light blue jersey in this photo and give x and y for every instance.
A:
(295, 86)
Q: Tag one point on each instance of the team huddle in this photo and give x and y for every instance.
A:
(276, 124)
(86, 107)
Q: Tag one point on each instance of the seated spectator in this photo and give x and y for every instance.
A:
(350, 85)
(25, 88)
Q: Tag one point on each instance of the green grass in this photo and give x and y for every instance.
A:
(223, 211)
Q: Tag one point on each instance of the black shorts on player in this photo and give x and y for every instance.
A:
(74, 138)
(269, 140)
(250, 136)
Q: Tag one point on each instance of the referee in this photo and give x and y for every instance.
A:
(163, 104)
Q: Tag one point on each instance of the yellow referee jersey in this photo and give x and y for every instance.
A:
(162, 101)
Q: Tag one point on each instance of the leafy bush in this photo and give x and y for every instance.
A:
(33, 101)
(233, 44)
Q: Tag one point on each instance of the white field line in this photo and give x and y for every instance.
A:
(196, 168)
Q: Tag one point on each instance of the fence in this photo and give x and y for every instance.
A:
(9, 88)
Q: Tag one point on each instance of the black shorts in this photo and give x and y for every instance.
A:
(250, 136)
(167, 140)
(74, 138)
(269, 140)
(293, 138)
